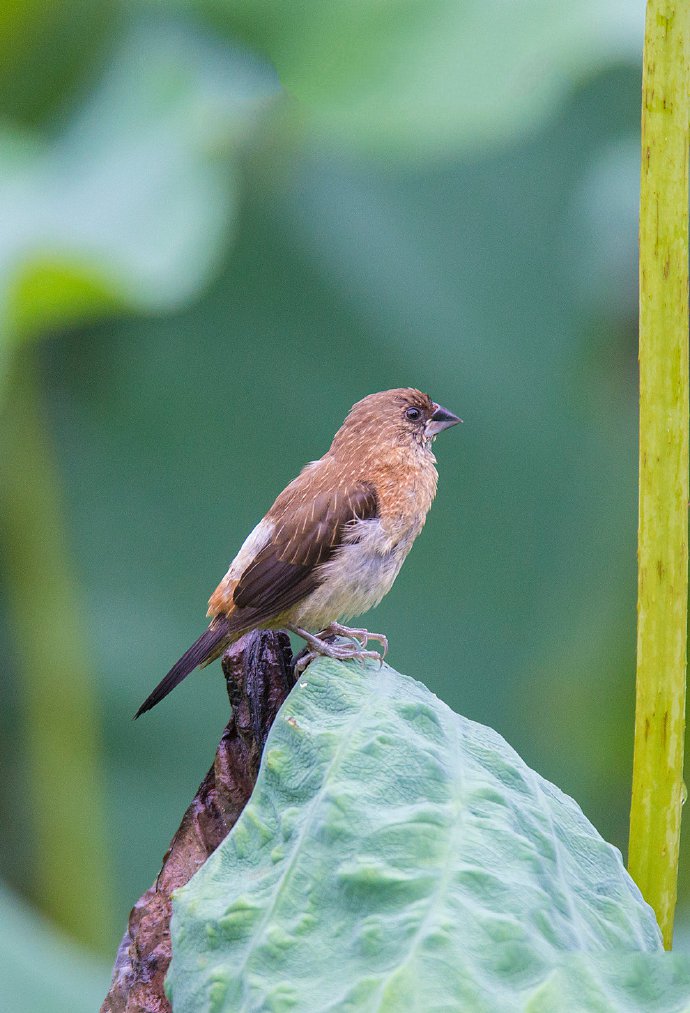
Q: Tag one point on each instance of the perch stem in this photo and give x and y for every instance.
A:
(657, 788)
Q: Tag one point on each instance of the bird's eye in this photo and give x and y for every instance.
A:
(413, 414)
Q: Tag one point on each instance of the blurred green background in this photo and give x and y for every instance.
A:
(220, 225)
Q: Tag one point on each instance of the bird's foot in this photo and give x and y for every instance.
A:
(340, 652)
(363, 636)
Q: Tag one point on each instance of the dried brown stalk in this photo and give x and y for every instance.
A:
(258, 673)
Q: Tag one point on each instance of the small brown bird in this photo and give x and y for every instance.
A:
(333, 542)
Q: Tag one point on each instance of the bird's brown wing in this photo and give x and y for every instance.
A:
(285, 570)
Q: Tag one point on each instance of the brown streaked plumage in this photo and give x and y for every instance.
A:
(333, 542)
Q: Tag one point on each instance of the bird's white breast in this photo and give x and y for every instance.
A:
(358, 576)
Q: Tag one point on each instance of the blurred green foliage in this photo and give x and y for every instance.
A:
(130, 205)
(40, 970)
(442, 196)
(414, 79)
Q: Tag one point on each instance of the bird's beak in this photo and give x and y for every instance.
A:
(440, 420)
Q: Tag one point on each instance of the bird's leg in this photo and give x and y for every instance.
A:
(341, 652)
(364, 636)
(338, 630)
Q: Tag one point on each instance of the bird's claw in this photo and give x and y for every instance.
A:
(363, 636)
(340, 652)
(302, 662)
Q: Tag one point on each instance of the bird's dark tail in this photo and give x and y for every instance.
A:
(210, 644)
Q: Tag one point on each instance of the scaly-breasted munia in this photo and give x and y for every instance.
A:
(333, 542)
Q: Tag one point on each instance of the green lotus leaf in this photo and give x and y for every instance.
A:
(397, 856)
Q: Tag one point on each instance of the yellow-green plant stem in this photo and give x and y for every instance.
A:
(663, 498)
(69, 859)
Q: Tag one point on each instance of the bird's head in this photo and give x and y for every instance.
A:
(399, 416)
